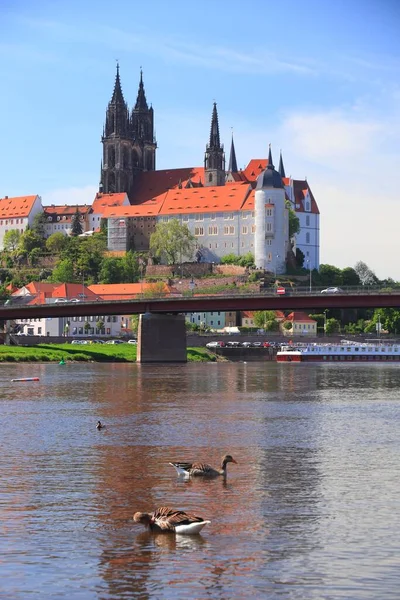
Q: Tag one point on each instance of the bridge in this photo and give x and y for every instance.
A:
(162, 333)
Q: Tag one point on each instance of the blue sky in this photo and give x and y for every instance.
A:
(319, 79)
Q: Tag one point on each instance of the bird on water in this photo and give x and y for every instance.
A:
(165, 519)
(100, 425)
(199, 469)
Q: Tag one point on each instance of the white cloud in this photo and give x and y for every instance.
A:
(73, 195)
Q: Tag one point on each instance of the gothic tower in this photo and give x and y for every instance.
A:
(214, 158)
(116, 173)
(128, 142)
(142, 127)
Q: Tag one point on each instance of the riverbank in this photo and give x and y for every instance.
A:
(86, 353)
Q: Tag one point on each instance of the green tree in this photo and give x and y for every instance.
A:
(76, 227)
(90, 256)
(350, 277)
(230, 259)
(155, 290)
(56, 242)
(86, 327)
(294, 221)
(329, 275)
(39, 224)
(171, 241)
(112, 270)
(133, 266)
(300, 256)
(266, 319)
(332, 326)
(63, 272)
(11, 240)
(30, 240)
(247, 260)
(100, 325)
(34, 256)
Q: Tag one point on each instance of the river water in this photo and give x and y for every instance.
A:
(311, 510)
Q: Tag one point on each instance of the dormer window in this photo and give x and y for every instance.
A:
(307, 206)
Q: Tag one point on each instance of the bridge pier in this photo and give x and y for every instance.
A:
(161, 338)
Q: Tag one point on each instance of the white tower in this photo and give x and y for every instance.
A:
(271, 220)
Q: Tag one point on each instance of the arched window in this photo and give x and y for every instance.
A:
(111, 156)
(209, 177)
(307, 238)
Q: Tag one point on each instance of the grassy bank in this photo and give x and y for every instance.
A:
(88, 353)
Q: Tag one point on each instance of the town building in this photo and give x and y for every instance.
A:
(300, 324)
(18, 213)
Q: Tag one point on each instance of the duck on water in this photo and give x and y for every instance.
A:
(199, 469)
(165, 519)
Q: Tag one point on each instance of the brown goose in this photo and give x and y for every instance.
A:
(166, 519)
(202, 469)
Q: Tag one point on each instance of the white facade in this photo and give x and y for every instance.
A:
(20, 223)
(114, 326)
(272, 229)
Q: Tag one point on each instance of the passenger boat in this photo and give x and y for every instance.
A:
(341, 351)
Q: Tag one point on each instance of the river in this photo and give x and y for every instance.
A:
(311, 510)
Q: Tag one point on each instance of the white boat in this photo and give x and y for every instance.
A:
(343, 351)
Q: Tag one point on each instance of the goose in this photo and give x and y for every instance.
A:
(199, 469)
(100, 425)
(166, 519)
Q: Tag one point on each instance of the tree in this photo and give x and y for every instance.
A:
(100, 325)
(300, 256)
(329, 275)
(366, 276)
(39, 224)
(86, 327)
(350, 277)
(112, 270)
(56, 242)
(90, 252)
(332, 326)
(30, 240)
(63, 272)
(155, 290)
(133, 266)
(294, 221)
(76, 227)
(11, 240)
(266, 319)
(171, 241)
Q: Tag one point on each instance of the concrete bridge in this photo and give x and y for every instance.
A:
(162, 332)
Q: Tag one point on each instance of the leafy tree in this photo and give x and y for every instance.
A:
(389, 318)
(171, 241)
(366, 276)
(86, 327)
(90, 253)
(11, 240)
(266, 319)
(76, 227)
(134, 319)
(112, 270)
(350, 277)
(332, 326)
(99, 325)
(39, 224)
(30, 240)
(300, 256)
(63, 272)
(230, 259)
(34, 256)
(133, 265)
(56, 242)
(294, 221)
(329, 275)
(247, 260)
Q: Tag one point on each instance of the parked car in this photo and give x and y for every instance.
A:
(132, 341)
(256, 344)
(78, 342)
(61, 300)
(332, 290)
(215, 345)
(233, 344)
(114, 342)
(266, 345)
(246, 344)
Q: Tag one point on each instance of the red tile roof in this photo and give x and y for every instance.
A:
(103, 200)
(254, 168)
(19, 206)
(301, 188)
(67, 209)
(299, 316)
(151, 184)
(122, 291)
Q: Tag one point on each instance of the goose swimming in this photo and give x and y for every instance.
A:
(166, 519)
(100, 425)
(199, 469)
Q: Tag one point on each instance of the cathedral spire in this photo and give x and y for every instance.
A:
(232, 168)
(281, 168)
(214, 131)
(214, 159)
(117, 94)
(141, 103)
(117, 116)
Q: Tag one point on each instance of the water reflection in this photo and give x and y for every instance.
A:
(310, 506)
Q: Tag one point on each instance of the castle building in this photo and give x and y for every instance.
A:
(229, 211)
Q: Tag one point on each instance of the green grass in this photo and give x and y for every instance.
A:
(89, 352)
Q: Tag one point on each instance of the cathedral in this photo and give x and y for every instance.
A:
(228, 210)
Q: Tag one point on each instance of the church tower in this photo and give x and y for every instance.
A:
(116, 171)
(214, 158)
(142, 126)
(129, 145)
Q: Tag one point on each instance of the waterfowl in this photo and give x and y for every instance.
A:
(166, 519)
(202, 469)
(100, 425)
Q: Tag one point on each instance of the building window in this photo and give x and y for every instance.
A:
(212, 230)
(308, 220)
(199, 231)
(231, 229)
(307, 238)
(269, 212)
(226, 230)
(199, 217)
(185, 218)
(269, 257)
(213, 216)
(269, 226)
(244, 229)
(307, 206)
(253, 229)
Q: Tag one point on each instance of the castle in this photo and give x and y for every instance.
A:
(228, 210)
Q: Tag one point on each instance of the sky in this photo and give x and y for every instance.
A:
(318, 79)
